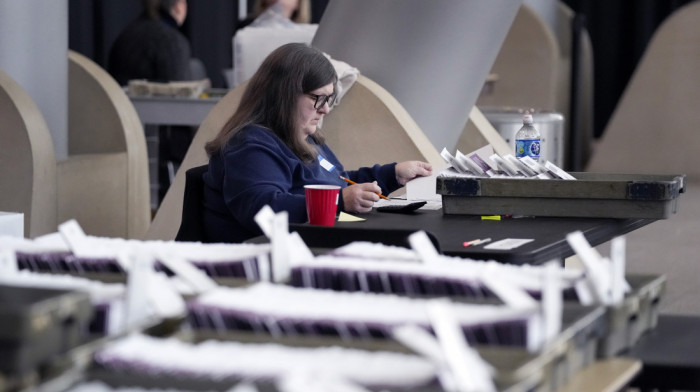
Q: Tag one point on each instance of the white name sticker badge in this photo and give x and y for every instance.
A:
(325, 163)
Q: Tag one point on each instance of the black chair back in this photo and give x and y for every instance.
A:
(192, 226)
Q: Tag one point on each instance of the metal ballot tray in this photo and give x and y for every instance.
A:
(597, 195)
(637, 314)
(517, 370)
(38, 324)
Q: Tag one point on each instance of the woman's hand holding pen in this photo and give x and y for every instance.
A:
(406, 171)
(361, 197)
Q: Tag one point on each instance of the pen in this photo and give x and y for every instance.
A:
(349, 181)
(469, 243)
(475, 242)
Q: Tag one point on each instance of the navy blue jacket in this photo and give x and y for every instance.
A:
(256, 169)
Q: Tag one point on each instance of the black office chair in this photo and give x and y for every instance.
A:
(192, 227)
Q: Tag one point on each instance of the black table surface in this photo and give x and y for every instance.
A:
(449, 232)
(670, 355)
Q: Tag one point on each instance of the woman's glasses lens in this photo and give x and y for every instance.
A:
(322, 99)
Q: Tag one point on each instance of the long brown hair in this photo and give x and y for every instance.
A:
(270, 99)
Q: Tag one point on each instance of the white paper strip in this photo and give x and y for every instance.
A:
(199, 281)
(511, 295)
(8, 263)
(76, 239)
(617, 257)
(264, 219)
(421, 244)
(427, 345)
(137, 302)
(279, 238)
(596, 270)
(470, 372)
(552, 300)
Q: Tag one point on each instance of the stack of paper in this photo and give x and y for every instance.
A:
(484, 163)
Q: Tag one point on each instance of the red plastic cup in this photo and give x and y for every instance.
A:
(321, 203)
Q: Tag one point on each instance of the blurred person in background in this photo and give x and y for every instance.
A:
(153, 48)
(298, 11)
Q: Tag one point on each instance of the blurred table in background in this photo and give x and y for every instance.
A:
(175, 110)
(168, 110)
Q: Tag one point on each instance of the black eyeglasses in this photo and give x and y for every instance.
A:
(322, 99)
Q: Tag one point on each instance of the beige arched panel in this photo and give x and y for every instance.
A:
(654, 128)
(167, 219)
(527, 65)
(369, 126)
(480, 132)
(104, 183)
(27, 160)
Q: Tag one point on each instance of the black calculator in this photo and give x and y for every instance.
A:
(402, 208)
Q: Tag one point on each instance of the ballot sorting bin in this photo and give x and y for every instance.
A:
(40, 324)
(591, 195)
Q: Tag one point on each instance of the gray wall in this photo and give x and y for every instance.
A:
(33, 52)
(547, 10)
(432, 56)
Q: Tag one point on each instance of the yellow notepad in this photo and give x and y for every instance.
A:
(345, 217)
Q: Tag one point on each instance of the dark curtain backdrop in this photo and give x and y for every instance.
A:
(620, 31)
(210, 24)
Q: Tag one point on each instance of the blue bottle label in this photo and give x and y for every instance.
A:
(528, 147)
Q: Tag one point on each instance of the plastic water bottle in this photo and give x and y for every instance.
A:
(527, 140)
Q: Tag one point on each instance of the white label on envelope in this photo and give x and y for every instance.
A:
(508, 243)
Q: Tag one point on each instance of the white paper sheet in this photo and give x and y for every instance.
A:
(424, 188)
(508, 243)
(12, 224)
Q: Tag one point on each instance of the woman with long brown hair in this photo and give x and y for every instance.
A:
(271, 147)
